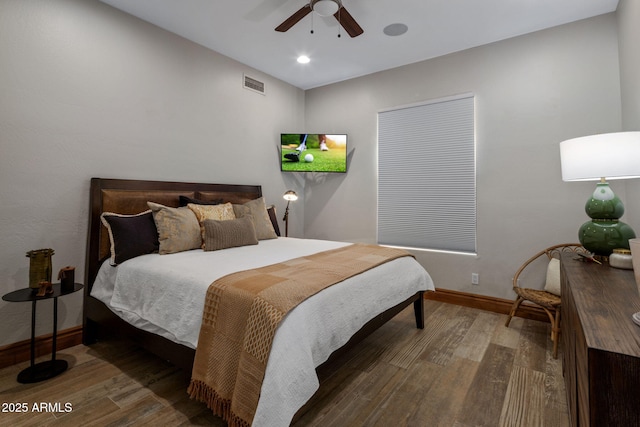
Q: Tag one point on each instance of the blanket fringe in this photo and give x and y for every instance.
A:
(199, 391)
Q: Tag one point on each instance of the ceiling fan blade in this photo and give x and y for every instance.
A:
(294, 19)
(348, 23)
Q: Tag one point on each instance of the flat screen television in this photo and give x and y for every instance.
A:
(313, 152)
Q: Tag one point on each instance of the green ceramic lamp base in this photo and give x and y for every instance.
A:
(604, 232)
(601, 237)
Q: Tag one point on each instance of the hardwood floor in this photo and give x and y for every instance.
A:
(464, 369)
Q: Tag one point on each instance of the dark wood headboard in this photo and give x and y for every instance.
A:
(131, 197)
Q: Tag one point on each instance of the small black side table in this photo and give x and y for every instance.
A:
(49, 369)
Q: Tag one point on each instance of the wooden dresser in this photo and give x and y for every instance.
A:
(600, 343)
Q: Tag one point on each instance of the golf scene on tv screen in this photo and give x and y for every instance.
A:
(313, 152)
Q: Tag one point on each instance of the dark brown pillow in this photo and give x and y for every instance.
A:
(271, 210)
(229, 233)
(130, 235)
(185, 200)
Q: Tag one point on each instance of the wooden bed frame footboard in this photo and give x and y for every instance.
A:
(130, 197)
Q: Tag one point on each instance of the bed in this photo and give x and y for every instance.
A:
(110, 311)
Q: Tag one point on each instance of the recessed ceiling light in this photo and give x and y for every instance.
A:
(303, 59)
(395, 29)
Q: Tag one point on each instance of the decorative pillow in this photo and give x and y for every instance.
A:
(271, 211)
(241, 210)
(185, 200)
(552, 284)
(261, 220)
(223, 212)
(178, 228)
(130, 235)
(229, 234)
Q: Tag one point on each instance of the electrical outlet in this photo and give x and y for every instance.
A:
(475, 279)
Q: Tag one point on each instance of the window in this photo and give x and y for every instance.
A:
(427, 175)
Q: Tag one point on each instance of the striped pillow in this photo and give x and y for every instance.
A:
(229, 233)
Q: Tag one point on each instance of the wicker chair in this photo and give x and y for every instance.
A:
(549, 302)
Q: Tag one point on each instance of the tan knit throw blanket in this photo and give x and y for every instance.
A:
(241, 314)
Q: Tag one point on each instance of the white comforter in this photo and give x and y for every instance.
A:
(164, 294)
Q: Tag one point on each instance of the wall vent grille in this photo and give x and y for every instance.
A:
(253, 84)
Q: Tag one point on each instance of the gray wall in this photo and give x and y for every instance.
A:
(629, 34)
(531, 93)
(85, 91)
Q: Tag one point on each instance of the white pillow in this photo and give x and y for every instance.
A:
(552, 284)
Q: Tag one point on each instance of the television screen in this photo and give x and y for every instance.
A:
(313, 152)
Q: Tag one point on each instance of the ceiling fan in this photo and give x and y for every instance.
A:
(324, 8)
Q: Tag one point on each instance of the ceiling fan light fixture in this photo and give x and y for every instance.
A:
(325, 7)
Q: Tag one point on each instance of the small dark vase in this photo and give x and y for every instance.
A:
(67, 278)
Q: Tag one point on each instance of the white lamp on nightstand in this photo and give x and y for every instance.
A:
(598, 158)
(601, 157)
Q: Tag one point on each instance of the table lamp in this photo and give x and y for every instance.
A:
(288, 196)
(600, 158)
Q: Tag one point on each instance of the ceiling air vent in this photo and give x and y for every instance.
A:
(253, 84)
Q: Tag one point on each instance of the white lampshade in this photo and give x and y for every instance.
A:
(608, 155)
(326, 7)
(290, 195)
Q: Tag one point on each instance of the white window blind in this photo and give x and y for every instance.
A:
(427, 175)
